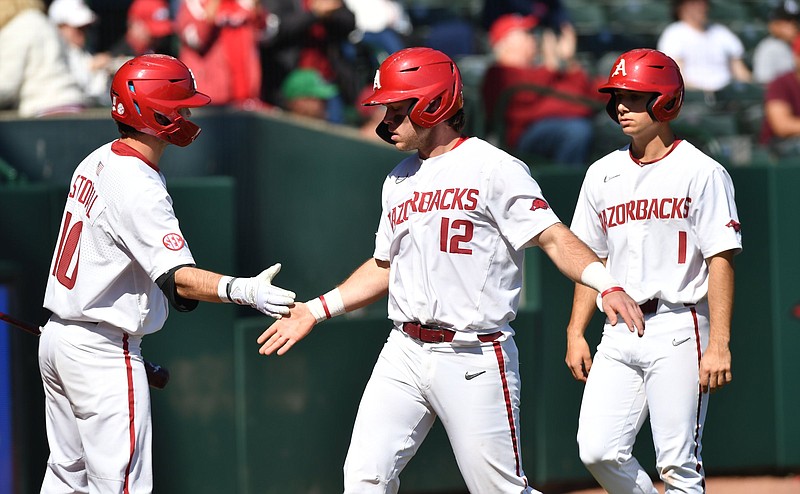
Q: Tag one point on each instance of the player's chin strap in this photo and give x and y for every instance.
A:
(383, 132)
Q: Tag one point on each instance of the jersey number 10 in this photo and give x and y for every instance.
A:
(67, 246)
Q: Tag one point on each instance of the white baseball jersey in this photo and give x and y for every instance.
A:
(118, 235)
(453, 228)
(658, 222)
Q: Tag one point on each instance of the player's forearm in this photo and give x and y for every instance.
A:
(568, 252)
(197, 284)
(720, 297)
(366, 285)
(583, 308)
(572, 256)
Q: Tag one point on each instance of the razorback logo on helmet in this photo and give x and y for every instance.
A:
(620, 69)
(539, 204)
(173, 241)
(735, 225)
(376, 83)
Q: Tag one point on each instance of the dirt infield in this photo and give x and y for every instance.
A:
(735, 485)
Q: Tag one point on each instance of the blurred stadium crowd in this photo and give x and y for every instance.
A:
(524, 92)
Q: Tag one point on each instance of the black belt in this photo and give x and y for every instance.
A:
(649, 307)
(433, 334)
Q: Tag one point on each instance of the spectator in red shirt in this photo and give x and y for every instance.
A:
(150, 28)
(219, 40)
(553, 120)
(781, 128)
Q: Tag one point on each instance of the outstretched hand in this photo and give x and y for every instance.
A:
(259, 293)
(620, 304)
(281, 336)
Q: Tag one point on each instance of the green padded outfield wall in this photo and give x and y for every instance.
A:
(308, 196)
(781, 192)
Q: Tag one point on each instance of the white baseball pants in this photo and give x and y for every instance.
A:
(656, 374)
(97, 411)
(412, 384)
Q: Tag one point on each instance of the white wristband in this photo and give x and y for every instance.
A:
(326, 306)
(596, 276)
(224, 289)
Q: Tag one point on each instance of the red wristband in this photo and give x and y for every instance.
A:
(612, 289)
(325, 306)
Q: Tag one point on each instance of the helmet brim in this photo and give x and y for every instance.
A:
(382, 97)
(196, 100)
(639, 88)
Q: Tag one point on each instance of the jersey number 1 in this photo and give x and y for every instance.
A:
(67, 246)
(453, 244)
(681, 247)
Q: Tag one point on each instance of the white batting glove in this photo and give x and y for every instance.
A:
(259, 293)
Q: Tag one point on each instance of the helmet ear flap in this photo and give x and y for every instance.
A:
(383, 132)
(161, 119)
(611, 107)
(433, 106)
(665, 107)
(651, 104)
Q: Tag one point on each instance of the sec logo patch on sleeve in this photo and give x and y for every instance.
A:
(173, 241)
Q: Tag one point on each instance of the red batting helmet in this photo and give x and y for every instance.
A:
(648, 71)
(424, 74)
(147, 92)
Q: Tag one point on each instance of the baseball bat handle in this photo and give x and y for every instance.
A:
(23, 325)
(157, 376)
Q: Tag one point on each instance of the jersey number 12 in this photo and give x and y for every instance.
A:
(464, 229)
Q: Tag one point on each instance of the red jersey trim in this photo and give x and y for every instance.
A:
(121, 149)
(671, 149)
(460, 141)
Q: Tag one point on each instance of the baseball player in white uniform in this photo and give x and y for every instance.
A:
(119, 260)
(456, 218)
(662, 216)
